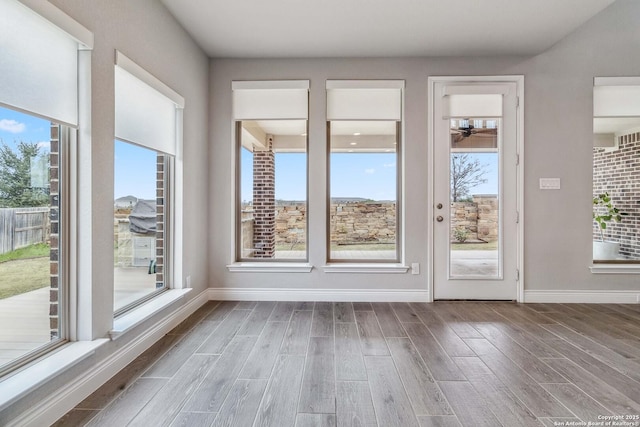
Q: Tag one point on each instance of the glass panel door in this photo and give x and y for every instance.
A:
(474, 180)
(475, 191)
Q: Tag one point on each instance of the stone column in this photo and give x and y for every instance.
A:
(264, 202)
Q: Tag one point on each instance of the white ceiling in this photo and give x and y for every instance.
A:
(377, 28)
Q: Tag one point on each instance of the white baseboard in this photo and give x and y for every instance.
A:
(297, 294)
(76, 390)
(590, 297)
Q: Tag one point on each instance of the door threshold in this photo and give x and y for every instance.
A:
(475, 300)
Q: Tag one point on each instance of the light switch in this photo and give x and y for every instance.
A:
(415, 268)
(549, 183)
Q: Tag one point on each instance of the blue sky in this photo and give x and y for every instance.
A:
(16, 127)
(491, 161)
(370, 176)
(366, 175)
(135, 167)
(135, 171)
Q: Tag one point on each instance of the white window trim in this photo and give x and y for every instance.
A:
(176, 288)
(61, 20)
(138, 315)
(137, 71)
(270, 267)
(366, 268)
(26, 380)
(266, 266)
(615, 268)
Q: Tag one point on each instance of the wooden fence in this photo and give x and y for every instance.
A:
(20, 227)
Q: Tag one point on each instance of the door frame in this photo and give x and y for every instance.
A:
(519, 80)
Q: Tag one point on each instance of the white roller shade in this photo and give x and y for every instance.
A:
(616, 101)
(364, 100)
(474, 100)
(477, 105)
(38, 64)
(144, 115)
(271, 100)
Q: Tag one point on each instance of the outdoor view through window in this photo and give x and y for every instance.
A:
(273, 189)
(139, 227)
(29, 227)
(475, 198)
(363, 186)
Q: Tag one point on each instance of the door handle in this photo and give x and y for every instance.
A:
(439, 218)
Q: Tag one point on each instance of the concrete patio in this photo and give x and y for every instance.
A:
(24, 318)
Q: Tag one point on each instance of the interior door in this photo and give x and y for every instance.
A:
(475, 191)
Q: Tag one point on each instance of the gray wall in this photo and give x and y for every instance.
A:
(145, 32)
(558, 143)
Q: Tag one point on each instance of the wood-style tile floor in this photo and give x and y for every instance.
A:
(385, 364)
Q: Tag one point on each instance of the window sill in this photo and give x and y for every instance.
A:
(365, 268)
(138, 315)
(270, 267)
(26, 380)
(615, 268)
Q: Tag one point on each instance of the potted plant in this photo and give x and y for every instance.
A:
(603, 212)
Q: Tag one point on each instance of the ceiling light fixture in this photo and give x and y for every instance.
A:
(353, 143)
(356, 133)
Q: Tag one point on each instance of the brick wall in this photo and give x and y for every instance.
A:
(54, 215)
(160, 204)
(264, 203)
(617, 171)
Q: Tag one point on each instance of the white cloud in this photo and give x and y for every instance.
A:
(369, 171)
(389, 165)
(11, 126)
(44, 144)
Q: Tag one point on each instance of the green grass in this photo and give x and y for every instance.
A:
(34, 251)
(24, 270)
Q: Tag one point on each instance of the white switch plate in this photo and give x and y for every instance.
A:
(415, 268)
(549, 183)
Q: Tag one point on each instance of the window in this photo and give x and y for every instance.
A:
(139, 223)
(40, 101)
(32, 291)
(364, 131)
(271, 182)
(148, 123)
(616, 161)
